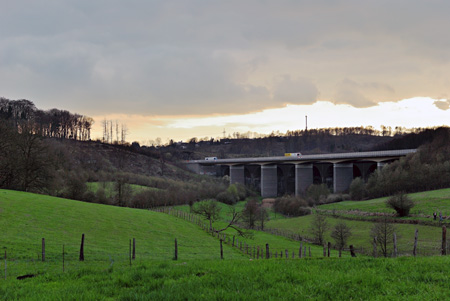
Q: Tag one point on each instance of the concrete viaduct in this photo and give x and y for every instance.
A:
(275, 176)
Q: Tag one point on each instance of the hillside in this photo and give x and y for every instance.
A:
(26, 218)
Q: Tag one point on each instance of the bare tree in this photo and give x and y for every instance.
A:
(234, 218)
(318, 227)
(209, 210)
(341, 233)
(250, 213)
(123, 133)
(383, 234)
(263, 216)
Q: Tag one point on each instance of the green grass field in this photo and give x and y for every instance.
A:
(429, 242)
(425, 203)
(109, 188)
(275, 279)
(27, 218)
(199, 273)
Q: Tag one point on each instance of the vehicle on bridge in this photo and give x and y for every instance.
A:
(210, 158)
(298, 155)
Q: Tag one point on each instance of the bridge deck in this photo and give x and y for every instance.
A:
(335, 157)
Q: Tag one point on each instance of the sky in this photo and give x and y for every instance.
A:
(195, 68)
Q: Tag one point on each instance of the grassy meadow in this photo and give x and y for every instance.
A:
(425, 204)
(404, 278)
(199, 273)
(27, 218)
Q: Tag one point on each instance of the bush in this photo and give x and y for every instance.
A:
(317, 194)
(226, 197)
(336, 197)
(357, 189)
(292, 206)
(401, 203)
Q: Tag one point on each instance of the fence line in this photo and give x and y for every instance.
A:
(256, 252)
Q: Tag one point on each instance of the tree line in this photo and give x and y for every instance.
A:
(23, 115)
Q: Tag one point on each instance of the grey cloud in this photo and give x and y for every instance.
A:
(350, 92)
(442, 104)
(180, 57)
(297, 91)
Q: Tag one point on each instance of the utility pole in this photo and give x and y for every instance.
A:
(306, 127)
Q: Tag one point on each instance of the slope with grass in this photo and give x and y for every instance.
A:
(360, 216)
(317, 279)
(26, 218)
(425, 204)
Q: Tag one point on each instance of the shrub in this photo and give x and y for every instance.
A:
(226, 197)
(401, 203)
(292, 206)
(357, 189)
(317, 193)
(335, 197)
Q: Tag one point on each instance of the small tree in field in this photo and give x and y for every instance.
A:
(341, 233)
(250, 213)
(209, 210)
(319, 226)
(401, 203)
(383, 234)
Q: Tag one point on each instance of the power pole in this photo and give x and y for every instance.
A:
(306, 118)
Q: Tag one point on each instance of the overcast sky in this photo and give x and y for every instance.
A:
(179, 69)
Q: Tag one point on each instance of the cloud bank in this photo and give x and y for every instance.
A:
(222, 57)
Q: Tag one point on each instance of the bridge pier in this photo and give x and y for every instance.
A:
(342, 176)
(303, 178)
(237, 174)
(269, 181)
(380, 165)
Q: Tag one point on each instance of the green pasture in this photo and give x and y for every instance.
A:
(425, 203)
(26, 218)
(109, 188)
(429, 242)
(253, 238)
(404, 278)
(239, 206)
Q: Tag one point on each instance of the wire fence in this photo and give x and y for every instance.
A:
(407, 246)
(47, 256)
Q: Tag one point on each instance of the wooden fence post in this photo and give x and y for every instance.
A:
(129, 253)
(6, 265)
(395, 245)
(287, 253)
(329, 247)
(43, 249)
(176, 250)
(63, 258)
(375, 247)
(257, 253)
(324, 250)
(221, 249)
(134, 249)
(300, 250)
(352, 251)
(416, 236)
(82, 248)
(267, 251)
(444, 241)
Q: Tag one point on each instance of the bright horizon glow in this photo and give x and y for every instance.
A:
(410, 113)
